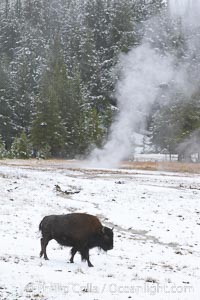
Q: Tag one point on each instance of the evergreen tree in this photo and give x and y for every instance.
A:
(174, 122)
(53, 125)
(21, 147)
(23, 93)
(33, 10)
(47, 130)
(7, 128)
(9, 34)
(3, 151)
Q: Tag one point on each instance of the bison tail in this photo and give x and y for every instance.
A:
(40, 225)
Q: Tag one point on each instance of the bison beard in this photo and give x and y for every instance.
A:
(79, 231)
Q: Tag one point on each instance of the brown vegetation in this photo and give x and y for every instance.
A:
(163, 166)
(74, 164)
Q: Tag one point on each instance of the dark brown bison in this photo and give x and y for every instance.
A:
(77, 230)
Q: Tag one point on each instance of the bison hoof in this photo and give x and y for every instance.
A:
(46, 258)
(90, 265)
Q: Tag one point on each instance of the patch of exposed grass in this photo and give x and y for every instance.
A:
(137, 165)
(164, 166)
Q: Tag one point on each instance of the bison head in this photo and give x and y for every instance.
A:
(106, 239)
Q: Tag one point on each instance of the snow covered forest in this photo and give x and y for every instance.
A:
(58, 70)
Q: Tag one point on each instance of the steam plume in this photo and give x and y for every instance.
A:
(143, 70)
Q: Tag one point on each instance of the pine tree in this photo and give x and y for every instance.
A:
(9, 33)
(47, 130)
(23, 93)
(174, 122)
(33, 10)
(3, 152)
(49, 126)
(21, 147)
(18, 9)
(7, 128)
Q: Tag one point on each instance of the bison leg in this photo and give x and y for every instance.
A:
(89, 262)
(85, 256)
(44, 243)
(41, 252)
(73, 252)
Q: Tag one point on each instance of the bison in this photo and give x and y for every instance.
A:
(77, 230)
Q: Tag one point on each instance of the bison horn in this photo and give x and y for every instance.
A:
(113, 228)
(103, 229)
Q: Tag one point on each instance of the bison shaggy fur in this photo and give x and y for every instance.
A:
(77, 230)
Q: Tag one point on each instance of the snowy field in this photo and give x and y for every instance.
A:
(156, 251)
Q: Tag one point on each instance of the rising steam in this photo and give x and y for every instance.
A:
(143, 71)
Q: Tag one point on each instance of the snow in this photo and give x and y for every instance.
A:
(156, 216)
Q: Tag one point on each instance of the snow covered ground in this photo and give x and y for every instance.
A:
(156, 251)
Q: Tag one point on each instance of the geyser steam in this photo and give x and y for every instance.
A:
(143, 71)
